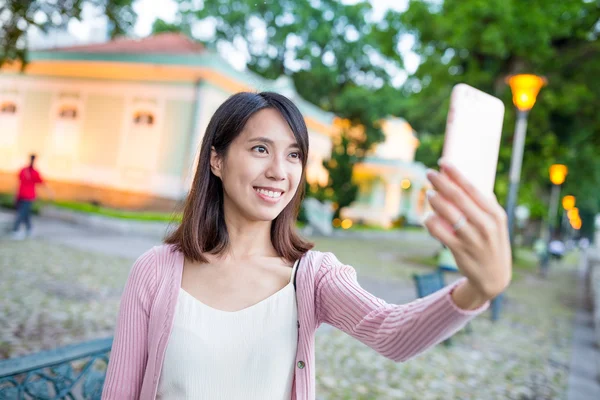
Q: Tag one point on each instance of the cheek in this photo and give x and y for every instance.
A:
(295, 177)
(238, 170)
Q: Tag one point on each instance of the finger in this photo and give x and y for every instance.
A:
(439, 228)
(457, 196)
(451, 215)
(488, 202)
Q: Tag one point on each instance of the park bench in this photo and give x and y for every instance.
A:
(69, 372)
(429, 283)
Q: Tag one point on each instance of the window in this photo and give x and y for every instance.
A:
(64, 139)
(10, 121)
(139, 152)
(143, 118)
(67, 112)
(8, 107)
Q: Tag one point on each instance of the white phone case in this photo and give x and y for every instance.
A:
(473, 133)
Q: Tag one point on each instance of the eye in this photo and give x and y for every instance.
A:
(295, 154)
(260, 149)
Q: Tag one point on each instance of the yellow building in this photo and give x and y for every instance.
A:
(120, 123)
(391, 185)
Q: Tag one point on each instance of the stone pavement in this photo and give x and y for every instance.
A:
(130, 246)
(84, 238)
(460, 365)
(584, 379)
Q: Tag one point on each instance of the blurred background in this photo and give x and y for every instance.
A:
(113, 97)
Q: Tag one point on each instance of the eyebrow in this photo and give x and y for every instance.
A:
(263, 139)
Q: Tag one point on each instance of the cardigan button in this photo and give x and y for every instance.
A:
(300, 364)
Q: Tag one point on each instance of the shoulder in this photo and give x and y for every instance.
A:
(144, 266)
(149, 268)
(164, 258)
(326, 263)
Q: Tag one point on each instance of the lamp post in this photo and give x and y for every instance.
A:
(574, 218)
(568, 203)
(525, 88)
(558, 173)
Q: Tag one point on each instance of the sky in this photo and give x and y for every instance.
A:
(91, 29)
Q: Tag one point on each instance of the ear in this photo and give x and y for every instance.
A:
(216, 162)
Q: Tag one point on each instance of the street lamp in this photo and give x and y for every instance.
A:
(558, 173)
(525, 88)
(568, 203)
(574, 218)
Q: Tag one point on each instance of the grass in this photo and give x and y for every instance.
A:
(524, 263)
(89, 208)
(383, 258)
(7, 201)
(377, 228)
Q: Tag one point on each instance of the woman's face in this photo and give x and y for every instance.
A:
(261, 170)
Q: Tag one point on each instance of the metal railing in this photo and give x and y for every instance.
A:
(71, 372)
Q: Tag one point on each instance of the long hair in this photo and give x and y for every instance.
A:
(203, 229)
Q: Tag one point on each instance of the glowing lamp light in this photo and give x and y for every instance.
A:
(558, 173)
(573, 213)
(568, 202)
(346, 224)
(525, 88)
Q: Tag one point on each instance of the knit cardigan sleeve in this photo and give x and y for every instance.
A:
(129, 352)
(398, 332)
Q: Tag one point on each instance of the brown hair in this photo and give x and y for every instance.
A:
(203, 228)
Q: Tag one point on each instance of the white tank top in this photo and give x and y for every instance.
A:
(246, 354)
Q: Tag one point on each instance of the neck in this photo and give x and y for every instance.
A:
(249, 239)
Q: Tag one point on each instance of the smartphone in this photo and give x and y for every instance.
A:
(473, 133)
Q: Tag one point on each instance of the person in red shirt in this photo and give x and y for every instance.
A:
(29, 177)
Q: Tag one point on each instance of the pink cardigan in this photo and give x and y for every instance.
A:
(326, 291)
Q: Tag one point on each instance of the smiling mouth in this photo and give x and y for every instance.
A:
(273, 194)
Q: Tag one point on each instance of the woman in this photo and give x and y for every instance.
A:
(229, 306)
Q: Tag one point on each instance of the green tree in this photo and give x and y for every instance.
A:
(341, 189)
(162, 26)
(17, 17)
(337, 56)
(480, 42)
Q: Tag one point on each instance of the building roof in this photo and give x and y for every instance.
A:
(162, 43)
(180, 59)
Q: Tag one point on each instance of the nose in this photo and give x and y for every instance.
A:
(276, 169)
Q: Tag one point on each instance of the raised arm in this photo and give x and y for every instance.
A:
(130, 346)
(473, 226)
(398, 332)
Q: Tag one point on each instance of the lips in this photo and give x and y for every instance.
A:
(272, 193)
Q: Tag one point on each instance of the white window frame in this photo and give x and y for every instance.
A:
(63, 143)
(138, 157)
(11, 128)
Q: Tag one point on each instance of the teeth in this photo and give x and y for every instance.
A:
(269, 193)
